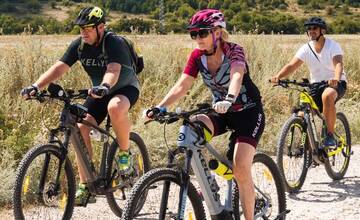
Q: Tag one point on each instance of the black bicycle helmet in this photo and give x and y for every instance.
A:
(90, 16)
(316, 21)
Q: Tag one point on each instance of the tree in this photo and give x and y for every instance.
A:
(33, 5)
(215, 4)
(185, 11)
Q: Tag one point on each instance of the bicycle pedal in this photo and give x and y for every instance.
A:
(314, 164)
(279, 216)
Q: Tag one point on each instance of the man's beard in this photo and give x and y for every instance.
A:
(315, 38)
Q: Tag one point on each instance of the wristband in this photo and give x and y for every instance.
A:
(107, 85)
(230, 98)
(35, 86)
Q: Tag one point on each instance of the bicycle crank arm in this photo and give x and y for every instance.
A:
(279, 216)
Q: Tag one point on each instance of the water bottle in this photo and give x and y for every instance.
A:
(98, 136)
(221, 169)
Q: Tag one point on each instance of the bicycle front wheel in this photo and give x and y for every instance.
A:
(270, 199)
(293, 154)
(44, 187)
(121, 184)
(158, 192)
(337, 164)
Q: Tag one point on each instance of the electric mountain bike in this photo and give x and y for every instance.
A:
(168, 193)
(45, 181)
(300, 144)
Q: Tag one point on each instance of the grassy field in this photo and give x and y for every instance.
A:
(24, 58)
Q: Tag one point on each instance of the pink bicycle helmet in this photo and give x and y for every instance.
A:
(207, 18)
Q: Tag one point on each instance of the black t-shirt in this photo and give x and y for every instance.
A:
(95, 64)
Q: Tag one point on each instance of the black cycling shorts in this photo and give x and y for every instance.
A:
(317, 89)
(247, 126)
(98, 107)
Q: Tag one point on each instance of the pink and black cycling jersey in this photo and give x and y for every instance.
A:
(220, 81)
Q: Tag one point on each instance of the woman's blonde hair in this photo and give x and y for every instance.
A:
(224, 34)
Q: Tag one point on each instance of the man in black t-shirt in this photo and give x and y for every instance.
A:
(115, 84)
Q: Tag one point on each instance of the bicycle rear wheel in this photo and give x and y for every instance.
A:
(37, 192)
(150, 191)
(293, 155)
(270, 200)
(120, 184)
(337, 165)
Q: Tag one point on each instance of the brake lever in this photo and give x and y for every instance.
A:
(172, 120)
(149, 121)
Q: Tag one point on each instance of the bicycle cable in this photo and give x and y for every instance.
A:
(166, 143)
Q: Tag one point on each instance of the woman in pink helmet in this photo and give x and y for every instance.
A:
(224, 70)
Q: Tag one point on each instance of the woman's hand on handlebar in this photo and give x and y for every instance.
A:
(222, 107)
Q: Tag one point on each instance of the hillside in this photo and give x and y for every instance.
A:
(247, 16)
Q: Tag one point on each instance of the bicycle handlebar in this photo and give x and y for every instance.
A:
(171, 117)
(55, 91)
(305, 83)
(202, 108)
(285, 83)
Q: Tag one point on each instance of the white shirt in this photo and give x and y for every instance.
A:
(322, 68)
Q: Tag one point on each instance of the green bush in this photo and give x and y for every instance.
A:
(137, 25)
(303, 2)
(344, 25)
(52, 4)
(33, 5)
(7, 7)
(185, 11)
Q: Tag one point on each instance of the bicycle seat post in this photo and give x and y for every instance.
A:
(108, 123)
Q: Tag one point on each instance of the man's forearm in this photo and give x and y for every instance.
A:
(55, 72)
(110, 78)
(338, 71)
(285, 71)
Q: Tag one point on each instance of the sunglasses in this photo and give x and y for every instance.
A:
(312, 28)
(202, 33)
(87, 28)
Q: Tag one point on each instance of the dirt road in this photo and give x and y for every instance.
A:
(319, 199)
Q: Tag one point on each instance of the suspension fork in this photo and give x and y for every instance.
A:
(185, 180)
(43, 175)
(166, 189)
(63, 150)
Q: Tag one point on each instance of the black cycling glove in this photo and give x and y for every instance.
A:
(101, 90)
(30, 90)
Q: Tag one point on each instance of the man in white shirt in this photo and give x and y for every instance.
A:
(324, 58)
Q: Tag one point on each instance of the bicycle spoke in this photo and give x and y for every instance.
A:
(41, 197)
(293, 160)
(266, 201)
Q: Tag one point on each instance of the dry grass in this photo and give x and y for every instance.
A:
(24, 58)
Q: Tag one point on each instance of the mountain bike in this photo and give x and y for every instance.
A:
(45, 182)
(300, 143)
(168, 193)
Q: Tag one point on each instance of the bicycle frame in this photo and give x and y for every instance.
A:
(96, 183)
(190, 142)
(311, 110)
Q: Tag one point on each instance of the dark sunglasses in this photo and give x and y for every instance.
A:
(202, 33)
(311, 28)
